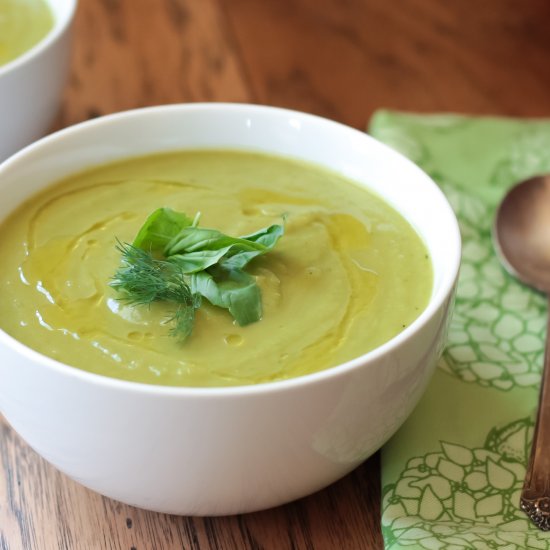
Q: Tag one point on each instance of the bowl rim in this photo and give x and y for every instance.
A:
(60, 24)
(437, 300)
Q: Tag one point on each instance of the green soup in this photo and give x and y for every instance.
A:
(23, 23)
(349, 273)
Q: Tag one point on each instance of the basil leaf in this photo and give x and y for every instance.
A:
(159, 228)
(231, 252)
(267, 238)
(191, 239)
(199, 260)
(233, 289)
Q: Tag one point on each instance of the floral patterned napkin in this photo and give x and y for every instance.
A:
(452, 475)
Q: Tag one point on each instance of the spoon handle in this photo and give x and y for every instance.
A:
(535, 495)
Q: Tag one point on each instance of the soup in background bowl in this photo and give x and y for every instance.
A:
(222, 450)
(34, 60)
(22, 26)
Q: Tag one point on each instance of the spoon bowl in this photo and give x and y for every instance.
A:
(522, 232)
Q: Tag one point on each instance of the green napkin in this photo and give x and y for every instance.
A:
(452, 475)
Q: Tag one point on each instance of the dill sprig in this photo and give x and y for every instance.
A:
(143, 279)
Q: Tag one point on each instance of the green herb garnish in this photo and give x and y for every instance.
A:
(174, 260)
(143, 279)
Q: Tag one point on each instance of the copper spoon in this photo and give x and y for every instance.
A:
(522, 239)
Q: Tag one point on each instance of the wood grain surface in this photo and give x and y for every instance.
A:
(337, 58)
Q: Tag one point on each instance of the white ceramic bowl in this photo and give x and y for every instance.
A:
(212, 451)
(31, 85)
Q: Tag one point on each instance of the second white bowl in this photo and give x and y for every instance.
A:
(31, 85)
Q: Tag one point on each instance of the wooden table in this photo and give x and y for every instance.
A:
(338, 58)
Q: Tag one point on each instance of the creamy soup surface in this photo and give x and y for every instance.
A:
(23, 23)
(348, 274)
